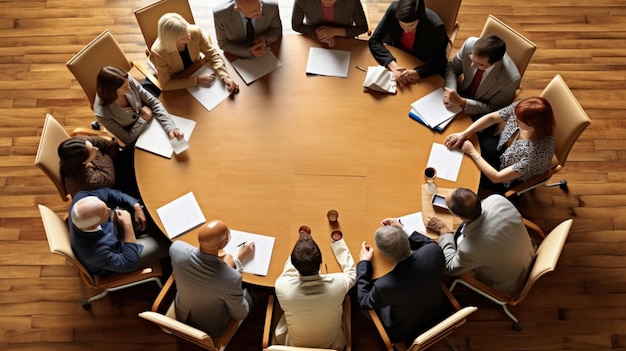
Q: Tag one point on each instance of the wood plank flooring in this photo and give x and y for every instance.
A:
(582, 305)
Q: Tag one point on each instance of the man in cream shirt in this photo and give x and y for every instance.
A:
(313, 302)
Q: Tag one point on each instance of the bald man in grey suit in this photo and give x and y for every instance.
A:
(209, 287)
(499, 80)
(230, 19)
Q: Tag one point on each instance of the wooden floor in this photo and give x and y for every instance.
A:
(580, 306)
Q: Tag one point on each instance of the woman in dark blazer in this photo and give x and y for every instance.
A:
(348, 19)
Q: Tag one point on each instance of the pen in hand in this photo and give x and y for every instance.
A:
(242, 244)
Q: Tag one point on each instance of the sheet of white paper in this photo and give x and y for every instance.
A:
(446, 162)
(179, 145)
(328, 62)
(259, 264)
(181, 215)
(211, 95)
(432, 110)
(414, 221)
(155, 140)
(378, 78)
(253, 68)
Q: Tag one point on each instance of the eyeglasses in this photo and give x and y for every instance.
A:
(477, 64)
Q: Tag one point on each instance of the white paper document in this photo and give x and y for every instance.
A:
(446, 162)
(414, 221)
(253, 68)
(378, 78)
(181, 215)
(431, 109)
(328, 62)
(155, 140)
(259, 263)
(211, 95)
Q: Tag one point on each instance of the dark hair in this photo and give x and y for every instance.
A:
(536, 112)
(72, 153)
(465, 203)
(410, 10)
(306, 256)
(109, 79)
(490, 45)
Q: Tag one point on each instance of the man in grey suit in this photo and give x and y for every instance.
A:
(209, 287)
(492, 241)
(490, 77)
(247, 27)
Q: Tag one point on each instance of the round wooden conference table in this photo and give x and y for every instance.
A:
(289, 147)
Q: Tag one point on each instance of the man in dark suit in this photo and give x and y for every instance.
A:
(409, 299)
(247, 27)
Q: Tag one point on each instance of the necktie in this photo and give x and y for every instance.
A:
(475, 83)
(249, 30)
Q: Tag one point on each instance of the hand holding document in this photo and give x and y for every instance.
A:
(259, 263)
(414, 221)
(446, 162)
(253, 68)
(209, 95)
(155, 140)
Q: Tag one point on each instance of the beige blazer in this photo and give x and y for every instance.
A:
(169, 64)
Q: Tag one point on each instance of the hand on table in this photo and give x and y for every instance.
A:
(245, 251)
(452, 98)
(259, 47)
(454, 141)
(206, 79)
(176, 133)
(391, 221)
(437, 225)
(232, 87)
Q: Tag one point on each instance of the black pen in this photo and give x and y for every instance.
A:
(361, 69)
(242, 244)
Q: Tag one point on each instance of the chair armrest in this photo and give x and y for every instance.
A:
(534, 227)
(119, 279)
(533, 182)
(347, 324)
(267, 327)
(148, 74)
(445, 327)
(453, 300)
(102, 133)
(159, 303)
(470, 280)
(174, 325)
(381, 330)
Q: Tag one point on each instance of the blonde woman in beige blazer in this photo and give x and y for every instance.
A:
(176, 39)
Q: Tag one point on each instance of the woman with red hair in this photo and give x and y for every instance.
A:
(521, 148)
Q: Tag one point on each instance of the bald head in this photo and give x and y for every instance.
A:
(213, 237)
(89, 212)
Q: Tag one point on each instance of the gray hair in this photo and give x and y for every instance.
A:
(393, 243)
(86, 212)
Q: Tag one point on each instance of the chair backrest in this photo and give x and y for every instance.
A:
(447, 10)
(47, 158)
(570, 118)
(148, 17)
(547, 256)
(442, 329)
(58, 235)
(104, 50)
(519, 48)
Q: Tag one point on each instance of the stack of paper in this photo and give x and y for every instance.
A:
(327, 62)
(431, 112)
(181, 215)
(155, 140)
(253, 68)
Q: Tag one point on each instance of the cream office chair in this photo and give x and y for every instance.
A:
(47, 158)
(58, 236)
(519, 48)
(448, 11)
(570, 121)
(149, 15)
(546, 259)
(168, 323)
(104, 50)
(272, 315)
(433, 335)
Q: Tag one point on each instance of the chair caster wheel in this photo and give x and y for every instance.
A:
(517, 327)
(86, 305)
